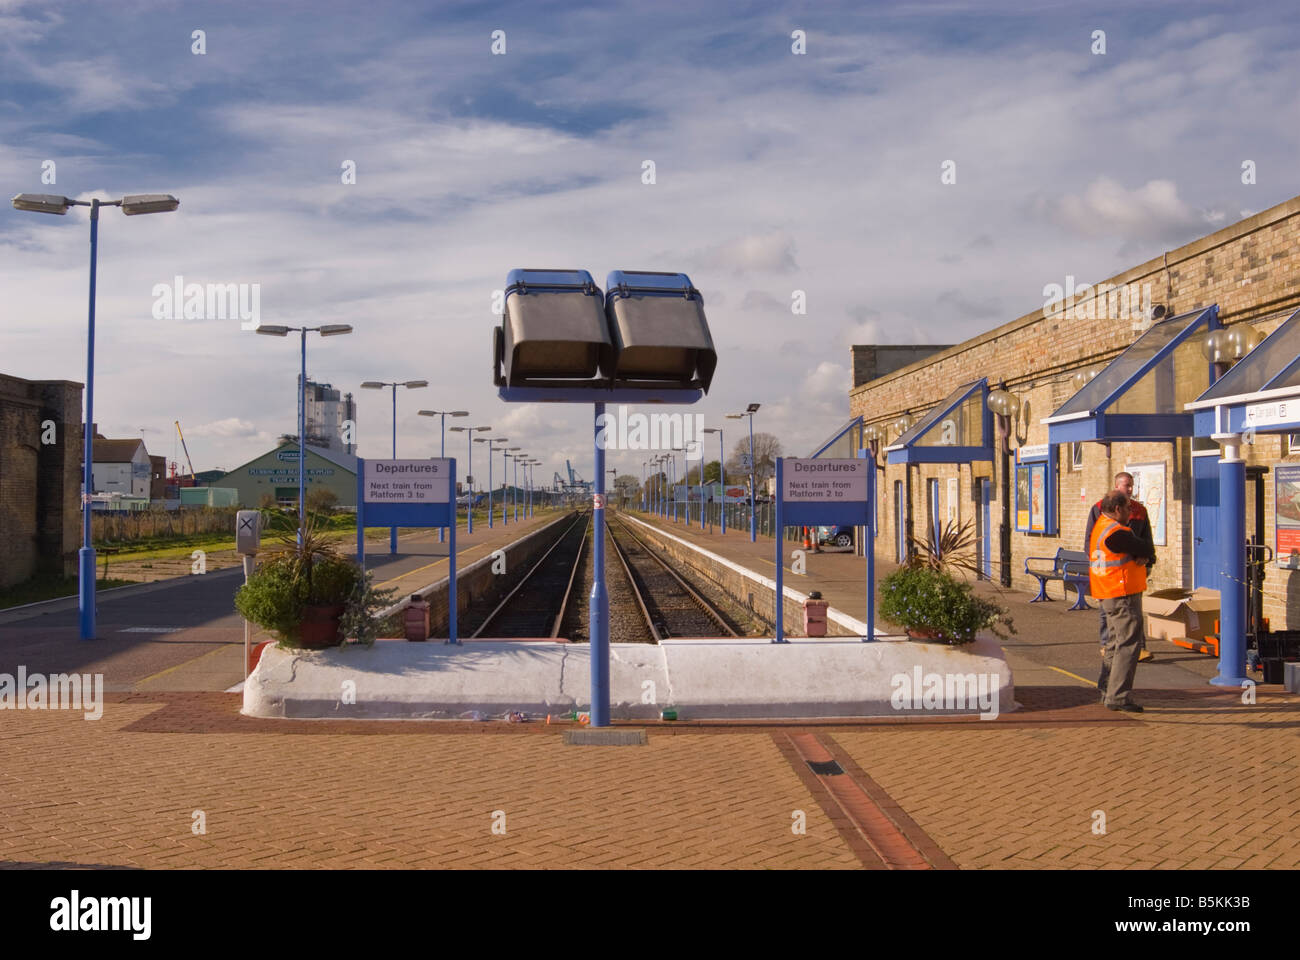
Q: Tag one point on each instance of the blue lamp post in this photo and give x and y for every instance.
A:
(58, 205)
(686, 480)
(491, 449)
(514, 491)
(328, 330)
(379, 385)
(442, 446)
(531, 464)
(469, 472)
(505, 482)
(661, 485)
(722, 476)
(753, 514)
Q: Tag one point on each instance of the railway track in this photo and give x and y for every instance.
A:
(536, 605)
(648, 600)
(673, 607)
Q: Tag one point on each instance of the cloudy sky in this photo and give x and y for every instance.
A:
(775, 172)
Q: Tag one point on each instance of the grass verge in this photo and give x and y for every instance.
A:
(49, 588)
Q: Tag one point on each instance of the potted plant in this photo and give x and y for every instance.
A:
(302, 591)
(934, 605)
(925, 599)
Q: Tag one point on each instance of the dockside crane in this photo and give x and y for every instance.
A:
(193, 478)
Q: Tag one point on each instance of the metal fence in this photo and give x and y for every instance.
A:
(737, 518)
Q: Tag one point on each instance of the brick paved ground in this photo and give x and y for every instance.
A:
(1199, 780)
(1019, 791)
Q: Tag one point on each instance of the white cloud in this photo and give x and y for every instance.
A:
(772, 176)
(1152, 211)
(769, 252)
(231, 428)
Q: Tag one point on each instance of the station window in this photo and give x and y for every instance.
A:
(1035, 503)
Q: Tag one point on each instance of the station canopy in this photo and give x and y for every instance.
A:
(844, 444)
(1142, 393)
(1270, 372)
(957, 430)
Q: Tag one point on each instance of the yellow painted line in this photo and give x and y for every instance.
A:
(163, 673)
(403, 576)
(1090, 683)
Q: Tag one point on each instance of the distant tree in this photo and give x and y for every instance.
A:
(766, 449)
(627, 487)
(322, 500)
(711, 472)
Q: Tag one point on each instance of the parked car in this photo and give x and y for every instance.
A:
(836, 536)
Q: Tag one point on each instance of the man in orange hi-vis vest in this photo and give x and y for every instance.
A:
(1117, 573)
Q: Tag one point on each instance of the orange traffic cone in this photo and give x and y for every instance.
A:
(807, 542)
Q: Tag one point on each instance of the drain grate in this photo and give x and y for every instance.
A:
(825, 768)
(605, 737)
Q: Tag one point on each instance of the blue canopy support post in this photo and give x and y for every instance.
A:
(361, 514)
(870, 548)
(453, 599)
(1232, 565)
(780, 557)
(599, 616)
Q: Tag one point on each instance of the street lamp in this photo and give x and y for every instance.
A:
(662, 484)
(379, 385)
(514, 490)
(469, 471)
(722, 476)
(491, 450)
(1226, 345)
(686, 478)
(279, 330)
(1005, 406)
(442, 446)
(531, 464)
(58, 205)
(753, 515)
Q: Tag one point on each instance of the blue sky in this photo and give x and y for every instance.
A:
(774, 173)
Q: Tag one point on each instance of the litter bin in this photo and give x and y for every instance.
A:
(416, 620)
(814, 615)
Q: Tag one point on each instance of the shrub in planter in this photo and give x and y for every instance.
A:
(931, 604)
(360, 623)
(302, 592)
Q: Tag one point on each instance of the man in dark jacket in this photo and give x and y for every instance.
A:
(1140, 523)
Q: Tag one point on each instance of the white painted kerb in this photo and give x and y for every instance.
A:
(701, 678)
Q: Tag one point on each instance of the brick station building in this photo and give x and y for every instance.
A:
(1250, 270)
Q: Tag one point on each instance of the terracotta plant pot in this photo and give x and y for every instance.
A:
(320, 626)
(932, 635)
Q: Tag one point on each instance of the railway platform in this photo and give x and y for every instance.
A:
(1055, 647)
(183, 633)
(697, 667)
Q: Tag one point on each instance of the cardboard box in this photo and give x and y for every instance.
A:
(1178, 614)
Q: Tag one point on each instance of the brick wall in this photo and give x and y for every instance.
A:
(875, 360)
(1249, 269)
(40, 477)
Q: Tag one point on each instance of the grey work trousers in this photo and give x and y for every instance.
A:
(1104, 638)
(1123, 619)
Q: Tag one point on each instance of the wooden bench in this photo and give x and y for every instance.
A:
(1068, 566)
